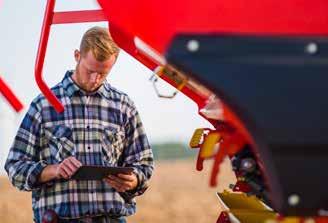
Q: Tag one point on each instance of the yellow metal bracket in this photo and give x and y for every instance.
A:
(250, 209)
(178, 79)
(207, 140)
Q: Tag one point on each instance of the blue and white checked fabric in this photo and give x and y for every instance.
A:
(99, 129)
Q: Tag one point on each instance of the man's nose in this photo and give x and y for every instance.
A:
(93, 77)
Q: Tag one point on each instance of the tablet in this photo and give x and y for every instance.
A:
(99, 172)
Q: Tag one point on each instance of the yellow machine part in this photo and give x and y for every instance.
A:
(209, 144)
(249, 209)
(196, 138)
(240, 201)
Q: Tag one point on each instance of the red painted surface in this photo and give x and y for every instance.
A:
(10, 96)
(223, 218)
(78, 17)
(241, 186)
(157, 22)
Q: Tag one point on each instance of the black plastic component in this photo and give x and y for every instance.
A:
(278, 86)
(253, 176)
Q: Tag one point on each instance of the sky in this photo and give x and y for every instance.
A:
(20, 27)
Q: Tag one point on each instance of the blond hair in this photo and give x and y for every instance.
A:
(99, 42)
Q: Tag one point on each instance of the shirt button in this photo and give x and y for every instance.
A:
(89, 147)
(88, 126)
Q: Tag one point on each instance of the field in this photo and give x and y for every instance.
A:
(178, 193)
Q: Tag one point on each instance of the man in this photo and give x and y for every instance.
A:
(99, 126)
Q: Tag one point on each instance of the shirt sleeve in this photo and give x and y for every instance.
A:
(137, 153)
(22, 164)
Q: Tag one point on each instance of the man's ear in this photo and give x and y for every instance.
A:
(77, 56)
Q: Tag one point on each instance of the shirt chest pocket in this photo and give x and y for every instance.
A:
(60, 144)
(112, 145)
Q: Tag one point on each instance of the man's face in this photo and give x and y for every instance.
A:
(90, 73)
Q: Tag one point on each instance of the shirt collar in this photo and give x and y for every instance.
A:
(72, 88)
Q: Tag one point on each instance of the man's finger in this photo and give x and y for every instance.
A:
(114, 181)
(125, 185)
(114, 184)
(118, 186)
(127, 177)
(68, 164)
(117, 179)
(76, 162)
(66, 169)
(63, 174)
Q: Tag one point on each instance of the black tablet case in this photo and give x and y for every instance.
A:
(99, 172)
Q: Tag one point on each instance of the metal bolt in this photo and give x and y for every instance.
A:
(193, 45)
(311, 48)
(248, 165)
(293, 200)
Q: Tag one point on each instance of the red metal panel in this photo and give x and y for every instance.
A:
(78, 17)
(156, 22)
(10, 96)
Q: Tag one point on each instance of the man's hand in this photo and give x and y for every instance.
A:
(122, 182)
(65, 170)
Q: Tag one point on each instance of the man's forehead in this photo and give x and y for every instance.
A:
(93, 64)
(90, 56)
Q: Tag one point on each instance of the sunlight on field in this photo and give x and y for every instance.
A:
(178, 193)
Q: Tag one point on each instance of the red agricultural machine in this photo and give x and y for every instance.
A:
(258, 73)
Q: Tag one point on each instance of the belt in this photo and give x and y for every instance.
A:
(92, 219)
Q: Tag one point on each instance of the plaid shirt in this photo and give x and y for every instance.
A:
(103, 128)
